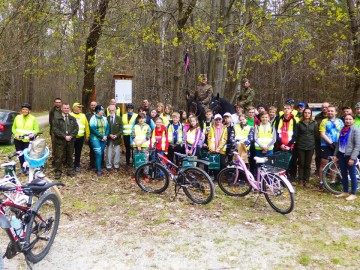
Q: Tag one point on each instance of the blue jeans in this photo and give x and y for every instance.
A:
(345, 168)
(99, 148)
(259, 153)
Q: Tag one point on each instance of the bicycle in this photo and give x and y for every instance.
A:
(332, 179)
(31, 229)
(237, 180)
(153, 177)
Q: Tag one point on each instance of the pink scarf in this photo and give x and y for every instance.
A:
(218, 134)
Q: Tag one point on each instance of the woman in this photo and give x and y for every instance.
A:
(305, 143)
(99, 131)
(346, 151)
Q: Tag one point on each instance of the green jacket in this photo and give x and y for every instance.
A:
(59, 127)
(306, 134)
(116, 128)
(246, 97)
(357, 121)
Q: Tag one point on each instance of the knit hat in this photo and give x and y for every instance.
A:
(262, 105)
(357, 105)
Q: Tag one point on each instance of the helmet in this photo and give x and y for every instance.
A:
(130, 105)
(26, 105)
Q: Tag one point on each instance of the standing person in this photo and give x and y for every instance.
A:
(127, 120)
(230, 139)
(291, 103)
(146, 106)
(159, 137)
(239, 110)
(217, 139)
(251, 119)
(65, 129)
(54, 110)
(244, 133)
(192, 137)
(24, 124)
(83, 134)
(264, 137)
(168, 110)
(183, 117)
(300, 109)
(154, 115)
(89, 114)
(329, 131)
(260, 109)
(272, 115)
(99, 132)
(175, 136)
(357, 115)
(148, 120)
(160, 112)
(114, 139)
(204, 91)
(318, 118)
(346, 151)
(247, 96)
(345, 111)
(118, 109)
(305, 144)
(207, 124)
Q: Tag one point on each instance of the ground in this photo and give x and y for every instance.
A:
(109, 223)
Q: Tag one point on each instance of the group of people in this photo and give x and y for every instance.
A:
(262, 130)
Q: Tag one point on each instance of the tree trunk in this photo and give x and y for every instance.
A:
(90, 53)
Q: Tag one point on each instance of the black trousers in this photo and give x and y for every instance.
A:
(20, 146)
(79, 142)
(305, 158)
(128, 148)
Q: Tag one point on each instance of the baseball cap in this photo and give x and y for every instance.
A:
(218, 116)
(77, 104)
(227, 114)
(301, 104)
(357, 105)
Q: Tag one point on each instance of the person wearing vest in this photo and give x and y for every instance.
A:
(160, 112)
(54, 110)
(127, 120)
(88, 115)
(175, 137)
(230, 140)
(244, 133)
(148, 119)
(264, 137)
(217, 139)
(192, 137)
(24, 124)
(318, 118)
(83, 134)
(114, 139)
(239, 111)
(99, 132)
(140, 136)
(207, 124)
(291, 103)
(118, 109)
(65, 129)
(159, 137)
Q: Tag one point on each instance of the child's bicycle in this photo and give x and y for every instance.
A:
(237, 180)
(30, 228)
(153, 177)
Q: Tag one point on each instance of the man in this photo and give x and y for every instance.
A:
(345, 111)
(24, 124)
(357, 115)
(247, 96)
(318, 118)
(118, 109)
(54, 110)
(329, 132)
(114, 139)
(238, 111)
(286, 130)
(89, 114)
(83, 134)
(146, 106)
(127, 120)
(65, 129)
(204, 91)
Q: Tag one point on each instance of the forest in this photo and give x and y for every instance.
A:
(302, 49)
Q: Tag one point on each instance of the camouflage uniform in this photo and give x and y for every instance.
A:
(246, 97)
(204, 94)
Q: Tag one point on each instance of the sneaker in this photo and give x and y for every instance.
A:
(99, 173)
(77, 169)
(342, 195)
(351, 197)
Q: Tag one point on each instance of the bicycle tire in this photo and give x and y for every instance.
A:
(332, 179)
(152, 177)
(41, 232)
(233, 187)
(1, 262)
(277, 193)
(197, 185)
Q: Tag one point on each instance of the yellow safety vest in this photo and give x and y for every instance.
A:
(163, 139)
(140, 134)
(165, 119)
(212, 140)
(190, 135)
(264, 137)
(242, 134)
(25, 125)
(127, 125)
(206, 129)
(179, 134)
(82, 123)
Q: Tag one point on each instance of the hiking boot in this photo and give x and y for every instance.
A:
(351, 197)
(343, 195)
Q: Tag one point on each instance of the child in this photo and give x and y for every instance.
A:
(192, 137)
(265, 137)
(175, 136)
(244, 133)
(159, 137)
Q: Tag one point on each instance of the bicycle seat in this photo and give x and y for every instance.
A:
(8, 164)
(260, 160)
(37, 182)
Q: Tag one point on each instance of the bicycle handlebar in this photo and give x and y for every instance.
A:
(26, 136)
(17, 153)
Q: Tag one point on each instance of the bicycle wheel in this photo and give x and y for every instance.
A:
(197, 185)
(1, 262)
(231, 186)
(152, 177)
(277, 193)
(42, 228)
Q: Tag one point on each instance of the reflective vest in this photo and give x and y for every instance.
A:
(190, 136)
(222, 140)
(293, 112)
(242, 134)
(25, 125)
(165, 119)
(289, 131)
(118, 111)
(264, 137)
(140, 134)
(82, 123)
(179, 132)
(206, 126)
(127, 125)
(163, 139)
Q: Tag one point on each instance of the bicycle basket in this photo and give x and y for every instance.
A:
(279, 160)
(36, 162)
